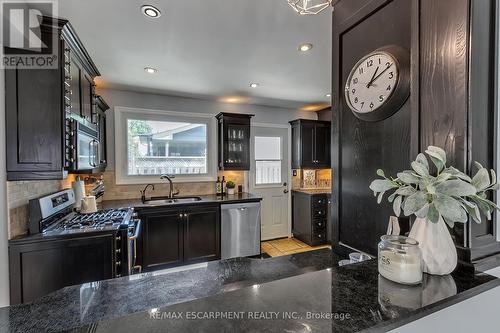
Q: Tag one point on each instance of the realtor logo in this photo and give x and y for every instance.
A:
(24, 45)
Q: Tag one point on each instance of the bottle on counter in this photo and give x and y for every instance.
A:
(218, 187)
(224, 190)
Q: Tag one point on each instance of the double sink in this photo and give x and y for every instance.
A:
(154, 201)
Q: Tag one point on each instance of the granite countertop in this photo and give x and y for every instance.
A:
(211, 198)
(314, 190)
(302, 292)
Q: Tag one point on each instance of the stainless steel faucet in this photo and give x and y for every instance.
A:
(143, 192)
(171, 192)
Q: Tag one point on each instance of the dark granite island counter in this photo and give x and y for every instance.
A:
(305, 292)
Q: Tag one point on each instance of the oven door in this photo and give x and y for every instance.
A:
(87, 148)
(134, 232)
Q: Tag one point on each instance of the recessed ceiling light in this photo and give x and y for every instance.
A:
(150, 70)
(305, 47)
(151, 11)
(254, 85)
(328, 95)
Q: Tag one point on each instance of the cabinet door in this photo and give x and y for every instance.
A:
(75, 88)
(202, 234)
(101, 124)
(162, 239)
(87, 97)
(322, 145)
(236, 146)
(40, 268)
(307, 131)
(34, 124)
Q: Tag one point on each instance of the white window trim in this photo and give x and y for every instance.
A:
(121, 114)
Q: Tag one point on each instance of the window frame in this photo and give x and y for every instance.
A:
(263, 185)
(122, 114)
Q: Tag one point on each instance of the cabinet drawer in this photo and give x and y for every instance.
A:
(319, 225)
(319, 201)
(319, 237)
(319, 212)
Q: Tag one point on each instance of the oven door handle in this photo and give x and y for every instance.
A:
(133, 239)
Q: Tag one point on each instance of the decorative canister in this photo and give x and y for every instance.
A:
(400, 259)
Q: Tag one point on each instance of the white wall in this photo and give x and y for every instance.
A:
(4, 258)
(263, 114)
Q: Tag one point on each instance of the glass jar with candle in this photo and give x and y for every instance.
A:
(400, 259)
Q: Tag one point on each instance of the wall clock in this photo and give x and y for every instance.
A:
(379, 83)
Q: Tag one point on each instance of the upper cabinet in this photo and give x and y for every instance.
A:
(100, 115)
(42, 103)
(234, 141)
(310, 144)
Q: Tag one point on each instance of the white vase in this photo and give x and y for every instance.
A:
(439, 254)
(230, 191)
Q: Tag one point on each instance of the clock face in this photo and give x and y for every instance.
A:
(371, 82)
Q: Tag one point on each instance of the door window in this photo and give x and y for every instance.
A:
(268, 158)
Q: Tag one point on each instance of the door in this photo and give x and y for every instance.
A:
(322, 145)
(101, 125)
(40, 268)
(162, 239)
(202, 234)
(87, 98)
(269, 174)
(308, 144)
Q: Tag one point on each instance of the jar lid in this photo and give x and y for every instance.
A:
(399, 240)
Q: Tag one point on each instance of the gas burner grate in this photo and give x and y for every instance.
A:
(95, 220)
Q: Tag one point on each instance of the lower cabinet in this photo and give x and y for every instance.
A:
(310, 217)
(40, 266)
(179, 236)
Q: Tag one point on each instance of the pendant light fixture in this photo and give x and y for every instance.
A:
(309, 7)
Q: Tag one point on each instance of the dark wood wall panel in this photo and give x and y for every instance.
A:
(443, 77)
(444, 35)
(454, 90)
(363, 147)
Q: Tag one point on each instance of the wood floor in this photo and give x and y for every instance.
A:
(285, 246)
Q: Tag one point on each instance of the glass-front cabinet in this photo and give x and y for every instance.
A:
(234, 141)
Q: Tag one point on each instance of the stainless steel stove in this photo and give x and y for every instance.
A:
(53, 217)
(111, 219)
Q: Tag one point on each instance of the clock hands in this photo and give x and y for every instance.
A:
(375, 79)
(372, 79)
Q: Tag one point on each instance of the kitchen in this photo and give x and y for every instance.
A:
(150, 171)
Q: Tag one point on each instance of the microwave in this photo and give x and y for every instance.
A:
(85, 146)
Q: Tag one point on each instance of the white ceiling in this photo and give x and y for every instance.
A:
(212, 48)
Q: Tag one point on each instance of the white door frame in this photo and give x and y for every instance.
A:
(288, 163)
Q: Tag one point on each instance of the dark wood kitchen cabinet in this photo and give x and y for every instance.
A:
(234, 141)
(40, 266)
(100, 115)
(179, 235)
(41, 102)
(162, 238)
(310, 217)
(202, 234)
(310, 144)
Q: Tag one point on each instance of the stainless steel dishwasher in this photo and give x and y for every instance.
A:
(240, 230)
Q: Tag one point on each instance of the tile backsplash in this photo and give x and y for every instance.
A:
(20, 192)
(309, 179)
(120, 192)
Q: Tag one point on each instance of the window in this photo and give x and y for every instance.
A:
(151, 143)
(267, 160)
